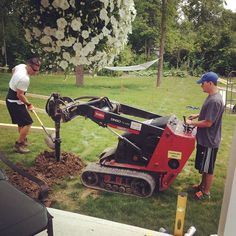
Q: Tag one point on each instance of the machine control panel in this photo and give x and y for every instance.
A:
(173, 123)
(179, 127)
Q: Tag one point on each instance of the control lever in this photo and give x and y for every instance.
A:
(187, 128)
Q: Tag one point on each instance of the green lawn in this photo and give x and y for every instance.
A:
(86, 139)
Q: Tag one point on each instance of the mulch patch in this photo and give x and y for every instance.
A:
(49, 170)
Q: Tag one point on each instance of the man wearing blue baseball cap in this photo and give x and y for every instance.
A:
(208, 123)
(208, 77)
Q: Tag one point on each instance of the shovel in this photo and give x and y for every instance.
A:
(50, 138)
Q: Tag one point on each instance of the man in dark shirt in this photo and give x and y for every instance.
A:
(208, 124)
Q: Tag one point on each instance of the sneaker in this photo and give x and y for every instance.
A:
(202, 196)
(197, 187)
(21, 148)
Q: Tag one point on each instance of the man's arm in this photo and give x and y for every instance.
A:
(21, 95)
(200, 123)
(193, 116)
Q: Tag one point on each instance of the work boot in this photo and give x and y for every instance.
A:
(26, 142)
(21, 148)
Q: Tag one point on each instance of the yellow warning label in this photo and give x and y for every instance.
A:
(175, 155)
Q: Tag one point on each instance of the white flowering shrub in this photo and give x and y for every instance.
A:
(67, 33)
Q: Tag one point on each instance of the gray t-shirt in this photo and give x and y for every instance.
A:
(212, 110)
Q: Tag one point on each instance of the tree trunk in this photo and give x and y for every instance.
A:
(79, 72)
(4, 48)
(149, 51)
(162, 42)
(146, 48)
(178, 59)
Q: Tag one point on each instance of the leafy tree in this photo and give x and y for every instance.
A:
(200, 34)
(151, 28)
(227, 43)
(202, 12)
(17, 49)
(162, 41)
(69, 33)
(145, 34)
(209, 27)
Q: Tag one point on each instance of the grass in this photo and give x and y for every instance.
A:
(86, 139)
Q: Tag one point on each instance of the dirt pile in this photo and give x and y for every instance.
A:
(48, 170)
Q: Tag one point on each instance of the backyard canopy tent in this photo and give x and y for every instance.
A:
(20, 214)
(143, 66)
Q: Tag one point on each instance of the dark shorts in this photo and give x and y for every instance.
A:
(205, 159)
(19, 114)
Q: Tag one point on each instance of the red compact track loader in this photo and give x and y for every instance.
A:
(149, 155)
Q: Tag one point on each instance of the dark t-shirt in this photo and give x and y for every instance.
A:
(212, 110)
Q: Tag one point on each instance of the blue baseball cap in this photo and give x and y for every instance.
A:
(209, 76)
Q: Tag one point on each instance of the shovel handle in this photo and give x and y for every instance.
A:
(41, 123)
